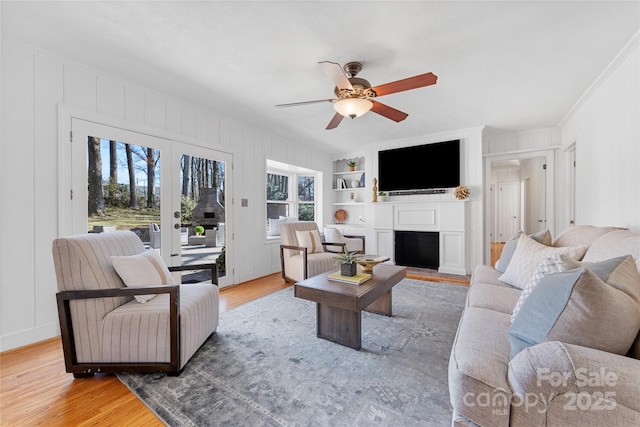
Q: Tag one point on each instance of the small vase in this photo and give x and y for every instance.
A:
(348, 269)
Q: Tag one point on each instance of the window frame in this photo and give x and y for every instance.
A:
(293, 173)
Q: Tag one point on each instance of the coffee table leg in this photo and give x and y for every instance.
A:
(382, 305)
(339, 325)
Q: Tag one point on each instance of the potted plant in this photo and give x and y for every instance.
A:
(352, 165)
(198, 230)
(382, 196)
(347, 260)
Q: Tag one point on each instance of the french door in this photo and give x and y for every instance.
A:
(172, 195)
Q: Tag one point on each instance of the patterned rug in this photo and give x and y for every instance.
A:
(266, 367)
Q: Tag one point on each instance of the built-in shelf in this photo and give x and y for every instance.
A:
(350, 199)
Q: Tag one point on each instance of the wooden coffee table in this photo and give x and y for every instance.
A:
(339, 305)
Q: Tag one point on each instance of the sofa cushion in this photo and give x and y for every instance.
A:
(581, 235)
(145, 269)
(486, 274)
(543, 237)
(478, 367)
(501, 298)
(596, 306)
(613, 244)
(528, 255)
(554, 264)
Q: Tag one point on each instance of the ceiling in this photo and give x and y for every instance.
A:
(506, 65)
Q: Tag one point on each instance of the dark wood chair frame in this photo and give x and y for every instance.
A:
(304, 257)
(82, 370)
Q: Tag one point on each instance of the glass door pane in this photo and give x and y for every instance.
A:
(121, 184)
(200, 224)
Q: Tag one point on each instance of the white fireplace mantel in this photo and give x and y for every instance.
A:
(445, 217)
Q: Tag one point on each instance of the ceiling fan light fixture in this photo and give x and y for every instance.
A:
(352, 107)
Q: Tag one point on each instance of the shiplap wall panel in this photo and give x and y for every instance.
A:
(174, 116)
(155, 110)
(134, 108)
(201, 126)
(48, 94)
(17, 184)
(80, 87)
(188, 122)
(110, 97)
(213, 130)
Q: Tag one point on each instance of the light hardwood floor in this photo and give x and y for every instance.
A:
(36, 390)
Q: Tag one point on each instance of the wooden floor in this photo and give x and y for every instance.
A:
(36, 390)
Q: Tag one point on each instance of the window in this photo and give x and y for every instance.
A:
(285, 201)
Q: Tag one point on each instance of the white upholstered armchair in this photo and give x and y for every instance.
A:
(105, 328)
(303, 254)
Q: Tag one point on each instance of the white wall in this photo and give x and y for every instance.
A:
(33, 85)
(605, 128)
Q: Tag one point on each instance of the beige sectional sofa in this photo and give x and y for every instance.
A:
(569, 356)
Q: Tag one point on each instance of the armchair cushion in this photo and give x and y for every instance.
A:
(311, 240)
(333, 235)
(145, 269)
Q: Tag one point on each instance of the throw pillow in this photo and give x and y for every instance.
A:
(145, 269)
(592, 306)
(509, 248)
(310, 240)
(528, 255)
(554, 264)
(274, 225)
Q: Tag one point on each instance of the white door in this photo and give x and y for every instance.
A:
(508, 210)
(143, 197)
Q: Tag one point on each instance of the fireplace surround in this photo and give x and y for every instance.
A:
(446, 218)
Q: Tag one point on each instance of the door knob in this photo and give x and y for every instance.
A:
(176, 226)
(176, 214)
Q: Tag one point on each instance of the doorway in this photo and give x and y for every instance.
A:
(520, 197)
(152, 186)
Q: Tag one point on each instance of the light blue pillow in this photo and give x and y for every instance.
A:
(594, 306)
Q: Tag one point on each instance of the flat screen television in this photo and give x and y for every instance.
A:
(420, 167)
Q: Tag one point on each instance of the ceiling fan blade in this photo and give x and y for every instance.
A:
(335, 121)
(414, 82)
(337, 76)
(388, 112)
(317, 101)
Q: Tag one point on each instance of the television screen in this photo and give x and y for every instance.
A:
(420, 167)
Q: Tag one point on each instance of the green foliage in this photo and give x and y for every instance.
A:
(277, 187)
(305, 212)
(117, 196)
(381, 193)
(198, 230)
(351, 163)
(220, 261)
(187, 204)
(347, 257)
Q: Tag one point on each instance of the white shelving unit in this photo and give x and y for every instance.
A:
(349, 189)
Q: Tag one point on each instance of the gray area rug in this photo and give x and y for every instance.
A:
(266, 367)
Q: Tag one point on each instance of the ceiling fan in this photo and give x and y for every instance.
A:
(355, 96)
